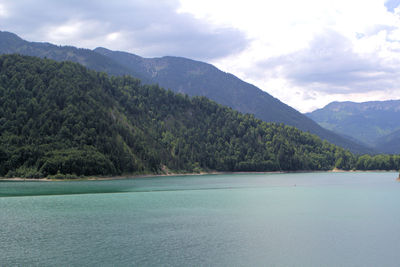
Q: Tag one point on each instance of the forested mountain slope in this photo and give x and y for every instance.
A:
(64, 118)
(201, 79)
(181, 75)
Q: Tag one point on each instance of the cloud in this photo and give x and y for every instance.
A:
(3, 11)
(330, 65)
(316, 51)
(148, 28)
(391, 5)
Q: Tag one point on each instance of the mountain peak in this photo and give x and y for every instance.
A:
(10, 35)
(9, 41)
(369, 105)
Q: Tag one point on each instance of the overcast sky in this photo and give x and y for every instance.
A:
(306, 53)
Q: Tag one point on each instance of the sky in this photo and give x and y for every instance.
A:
(305, 53)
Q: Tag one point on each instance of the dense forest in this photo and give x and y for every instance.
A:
(65, 120)
(181, 75)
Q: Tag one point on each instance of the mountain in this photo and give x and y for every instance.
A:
(373, 123)
(181, 75)
(10, 43)
(63, 119)
(198, 78)
(390, 143)
(201, 79)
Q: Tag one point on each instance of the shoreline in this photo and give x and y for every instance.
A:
(135, 176)
(100, 178)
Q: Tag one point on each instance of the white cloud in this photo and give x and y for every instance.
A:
(3, 11)
(307, 53)
(78, 32)
(148, 28)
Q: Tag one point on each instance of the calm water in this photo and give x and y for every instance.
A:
(310, 219)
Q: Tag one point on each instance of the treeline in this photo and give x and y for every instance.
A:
(62, 119)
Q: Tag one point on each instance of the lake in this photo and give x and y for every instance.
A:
(299, 219)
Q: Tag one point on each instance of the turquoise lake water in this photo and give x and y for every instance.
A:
(303, 219)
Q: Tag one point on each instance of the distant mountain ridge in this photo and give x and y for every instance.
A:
(375, 123)
(10, 43)
(181, 75)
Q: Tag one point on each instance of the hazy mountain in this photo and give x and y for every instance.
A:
(373, 123)
(389, 143)
(181, 75)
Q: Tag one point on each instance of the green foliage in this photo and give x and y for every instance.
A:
(183, 75)
(86, 161)
(378, 162)
(62, 120)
